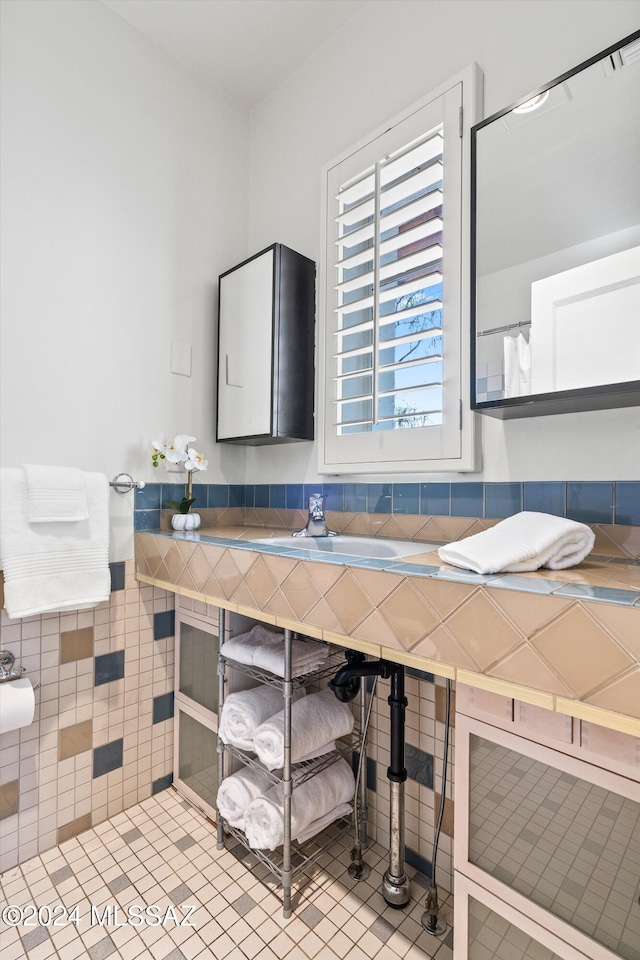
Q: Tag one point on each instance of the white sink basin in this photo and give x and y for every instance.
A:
(354, 546)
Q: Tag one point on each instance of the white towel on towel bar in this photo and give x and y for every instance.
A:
(522, 543)
(53, 566)
(329, 791)
(316, 720)
(237, 791)
(243, 712)
(55, 494)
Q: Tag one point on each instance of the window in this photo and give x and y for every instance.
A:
(394, 352)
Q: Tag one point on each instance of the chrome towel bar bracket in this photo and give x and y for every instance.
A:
(123, 483)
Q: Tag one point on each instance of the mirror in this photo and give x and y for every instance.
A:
(556, 244)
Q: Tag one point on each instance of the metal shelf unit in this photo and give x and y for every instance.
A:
(292, 859)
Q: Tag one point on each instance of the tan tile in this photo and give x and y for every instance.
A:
(375, 630)
(524, 666)
(627, 537)
(228, 575)
(9, 799)
(448, 814)
(443, 595)
(377, 584)
(445, 529)
(245, 598)
(322, 616)
(441, 705)
(279, 567)
(483, 631)
(300, 591)
(72, 829)
(367, 524)
(408, 614)
(76, 644)
(243, 559)
(324, 575)
(75, 739)
(403, 526)
(529, 611)
(440, 645)
(349, 603)
(279, 606)
(623, 623)
(580, 651)
(212, 589)
(260, 581)
(622, 695)
(605, 544)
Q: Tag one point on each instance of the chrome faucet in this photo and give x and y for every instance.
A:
(316, 524)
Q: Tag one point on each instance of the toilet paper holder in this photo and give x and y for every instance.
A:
(8, 669)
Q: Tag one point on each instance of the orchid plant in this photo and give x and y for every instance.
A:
(179, 451)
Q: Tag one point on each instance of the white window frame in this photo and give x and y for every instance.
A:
(457, 446)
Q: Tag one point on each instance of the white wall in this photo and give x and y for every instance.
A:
(124, 196)
(388, 55)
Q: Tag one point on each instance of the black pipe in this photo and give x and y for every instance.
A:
(346, 683)
(397, 701)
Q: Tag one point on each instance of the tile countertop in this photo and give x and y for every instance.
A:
(566, 640)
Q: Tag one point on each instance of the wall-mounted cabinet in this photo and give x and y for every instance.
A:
(556, 244)
(265, 349)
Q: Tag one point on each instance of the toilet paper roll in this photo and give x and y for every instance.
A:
(17, 704)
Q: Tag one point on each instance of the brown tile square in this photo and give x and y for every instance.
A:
(441, 706)
(72, 829)
(447, 817)
(76, 644)
(75, 739)
(9, 799)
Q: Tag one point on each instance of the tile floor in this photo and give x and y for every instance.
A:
(162, 852)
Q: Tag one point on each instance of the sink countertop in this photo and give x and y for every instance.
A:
(567, 640)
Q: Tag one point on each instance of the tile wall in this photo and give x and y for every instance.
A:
(102, 736)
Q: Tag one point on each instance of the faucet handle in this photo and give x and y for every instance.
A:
(316, 506)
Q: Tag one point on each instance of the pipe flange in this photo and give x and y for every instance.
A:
(396, 890)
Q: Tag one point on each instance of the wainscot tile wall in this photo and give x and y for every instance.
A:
(599, 502)
(102, 736)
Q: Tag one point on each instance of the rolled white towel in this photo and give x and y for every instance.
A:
(243, 712)
(315, 720)
(237, 791)
(310, 803)
(522, 543)
(342, 810)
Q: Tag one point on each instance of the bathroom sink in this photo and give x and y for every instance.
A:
(354, 546)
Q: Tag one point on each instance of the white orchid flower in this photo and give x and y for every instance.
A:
(158, 446)
(195, 460)
(176, 451)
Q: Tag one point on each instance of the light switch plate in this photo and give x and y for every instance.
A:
(181, 358)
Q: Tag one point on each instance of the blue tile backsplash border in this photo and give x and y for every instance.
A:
(588, 501)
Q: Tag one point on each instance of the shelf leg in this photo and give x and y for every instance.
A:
(287, 784)
(363, 760)
(221, 671)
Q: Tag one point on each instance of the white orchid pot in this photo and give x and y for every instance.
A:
(185, 521)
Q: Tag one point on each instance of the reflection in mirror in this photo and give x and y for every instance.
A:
(556, 256)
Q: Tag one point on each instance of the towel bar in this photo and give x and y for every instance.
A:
(123, 483)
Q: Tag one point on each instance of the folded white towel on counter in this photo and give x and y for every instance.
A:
(264, 649)
(310, 804)
(243, 712)
(55, 494)
(53, 566)
(237, 791)
(316, 720)
(522, 543)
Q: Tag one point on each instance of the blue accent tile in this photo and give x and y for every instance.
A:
(502, 499)
(250, 495)
(219, 495)
(517, 581)
(467, 499)
(406, 497)
(261, 496)
(590, 502)
(333, 494)
(544, 497)
(628, 503)
(146, 520)
(172, 491)
(420, 674)
(293, 496)
(419, 765)
(117, 575)
(355, 497)
(413, 569)
(107, 758)
(108, 667)
(164, 624)
(372, 770)
(200, 494)
(277, 495)
(148, 498)
(582, 591)
(435, 499)
(236, 495)
(418, 862)
(163, 707)
(379, 497)
(162, 783)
